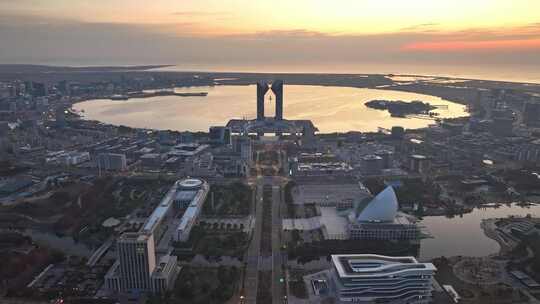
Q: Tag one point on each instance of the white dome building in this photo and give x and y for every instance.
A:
(379, 219)
(383, 208)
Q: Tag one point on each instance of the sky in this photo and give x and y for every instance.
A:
(278, 32)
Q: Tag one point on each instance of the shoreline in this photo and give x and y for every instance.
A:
(80, 113)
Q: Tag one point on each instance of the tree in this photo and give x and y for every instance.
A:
(184, 290)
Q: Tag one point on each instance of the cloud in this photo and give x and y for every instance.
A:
(28, 39)
(201, 13)
(503, 39)
(489, 45)
(424, 27)
(280, 35)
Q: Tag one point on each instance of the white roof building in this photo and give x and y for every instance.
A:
(371, 278)
(383, 208)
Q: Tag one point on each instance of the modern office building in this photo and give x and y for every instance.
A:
(60, 116)
(387, 158)
(529, 153)
(502, 126)
(112, 161)
(165, 273)
(137, 260)
(372, 164)
(370, 278)
(136, 269)
(419, 164)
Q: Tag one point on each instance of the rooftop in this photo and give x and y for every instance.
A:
(383, 208)
(191, 183)
(162, 209)
(357, 265)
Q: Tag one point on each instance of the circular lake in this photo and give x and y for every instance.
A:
(332, 109)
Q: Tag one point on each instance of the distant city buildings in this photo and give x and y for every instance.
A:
(419, 164)
(220, 135)
(531, 113)
(112, 162)
(69, 158)
(329, 201)
(319, 164)
(372, 164)
(341, 194)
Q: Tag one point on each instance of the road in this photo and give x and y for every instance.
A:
(255, 261)
(253, 255)
(278, 280)
(92, 261)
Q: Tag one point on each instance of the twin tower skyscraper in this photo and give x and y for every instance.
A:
(262, 89)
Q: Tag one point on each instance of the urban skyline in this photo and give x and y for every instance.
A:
(284, 152)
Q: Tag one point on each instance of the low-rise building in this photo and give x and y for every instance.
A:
(112, 161)
(370, 278)
(192, 195)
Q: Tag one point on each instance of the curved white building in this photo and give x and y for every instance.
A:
(379, 220)
(382, 209)
(370, 278)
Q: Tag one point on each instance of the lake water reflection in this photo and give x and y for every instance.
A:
(332, 109)
(462, 235)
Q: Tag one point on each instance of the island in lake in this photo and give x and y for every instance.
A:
(399, 108)
(156, 94)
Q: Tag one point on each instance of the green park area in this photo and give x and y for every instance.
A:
(297, 285)
(78, 208)
(228, 200)
(528, 263)
(475, 292)
(196, 285)
(216, 244)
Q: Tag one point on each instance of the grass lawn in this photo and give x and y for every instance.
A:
(228, 200)
(196, 285)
